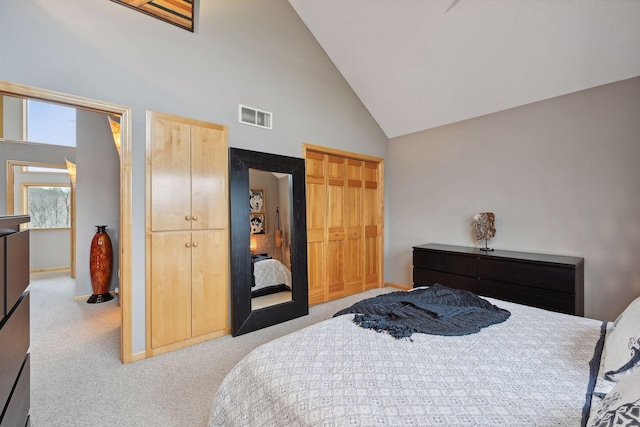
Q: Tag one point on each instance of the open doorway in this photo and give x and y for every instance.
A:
(125, 196)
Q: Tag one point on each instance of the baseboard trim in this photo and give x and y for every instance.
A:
(137, 356)
(398, 286)
(50, 270)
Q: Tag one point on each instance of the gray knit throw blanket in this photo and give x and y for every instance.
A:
(436, 310)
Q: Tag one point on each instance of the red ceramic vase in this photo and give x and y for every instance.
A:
(100, 266)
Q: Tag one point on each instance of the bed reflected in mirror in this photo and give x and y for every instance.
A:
(268, 239)
(270, 244)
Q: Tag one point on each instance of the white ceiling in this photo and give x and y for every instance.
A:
(416, 66)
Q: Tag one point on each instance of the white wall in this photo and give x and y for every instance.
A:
(252, 52)
(562, 177)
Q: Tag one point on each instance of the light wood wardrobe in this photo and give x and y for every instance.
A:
(345, 213)
(187, 232)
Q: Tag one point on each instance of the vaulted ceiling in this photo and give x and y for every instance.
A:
(419, 64)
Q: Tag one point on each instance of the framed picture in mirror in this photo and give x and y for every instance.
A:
(257, 198)
(258, 223)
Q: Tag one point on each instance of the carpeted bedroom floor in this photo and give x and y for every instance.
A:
(77, 378)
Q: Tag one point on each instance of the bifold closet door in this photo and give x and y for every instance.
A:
(354, 242)
(336, 185)
(316, 213)
(344, 224)
(372, 226)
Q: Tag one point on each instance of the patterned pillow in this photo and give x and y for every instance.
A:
(621, 407)
(622, 345)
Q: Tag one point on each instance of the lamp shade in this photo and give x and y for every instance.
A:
(115, 130)
(71, 167)
(253, 244)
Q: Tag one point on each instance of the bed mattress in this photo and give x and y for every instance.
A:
(533, 369)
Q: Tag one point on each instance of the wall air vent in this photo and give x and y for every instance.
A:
(254, 117)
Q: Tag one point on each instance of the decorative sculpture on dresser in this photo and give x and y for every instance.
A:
(484, 228)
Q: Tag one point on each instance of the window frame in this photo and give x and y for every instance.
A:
(24, 205)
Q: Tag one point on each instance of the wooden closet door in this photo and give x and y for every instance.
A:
(209, 272)
(170, 287)
(372, 226)
(209, 160)
(316, 215)
(170, 170)
(336, 184)
(354, 242)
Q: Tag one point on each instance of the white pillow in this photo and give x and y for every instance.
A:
(622, 405)
(622, 345)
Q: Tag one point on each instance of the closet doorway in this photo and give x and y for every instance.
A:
(125, 217)
(345, 222)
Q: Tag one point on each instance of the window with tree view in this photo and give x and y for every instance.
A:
(48, 205)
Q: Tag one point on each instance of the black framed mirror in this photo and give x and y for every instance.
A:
(254, 239)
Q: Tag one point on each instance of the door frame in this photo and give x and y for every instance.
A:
(126, 200)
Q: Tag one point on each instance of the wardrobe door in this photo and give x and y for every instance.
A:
(372, 226)
(354, 242)
(336, 184)
(209, 164)
(316, 214)
(170, 287)
(170, 169)
(209, 272)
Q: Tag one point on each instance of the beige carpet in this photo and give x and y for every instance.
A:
(77, 378)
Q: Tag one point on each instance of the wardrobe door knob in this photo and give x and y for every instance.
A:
(187, 245)
(187, 217)
(194, 244)
(195, 217)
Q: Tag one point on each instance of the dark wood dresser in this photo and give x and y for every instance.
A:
(551, 282)
(14, 324)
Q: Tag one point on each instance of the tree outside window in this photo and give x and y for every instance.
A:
(48, 205)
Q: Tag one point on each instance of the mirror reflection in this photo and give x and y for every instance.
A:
(270, 237)
(268, 233)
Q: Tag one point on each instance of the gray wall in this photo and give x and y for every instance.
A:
(561, 175)
(29, 153)
(251, 52)
(97, 193)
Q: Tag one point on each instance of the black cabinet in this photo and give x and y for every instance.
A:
(551, 282)
(14, 322)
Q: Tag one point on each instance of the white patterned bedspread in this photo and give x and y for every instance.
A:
(532, 369)
(270, 272)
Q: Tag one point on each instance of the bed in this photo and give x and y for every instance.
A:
(269, 276)
(535, 368)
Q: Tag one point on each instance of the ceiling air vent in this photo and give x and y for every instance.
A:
(254, 117)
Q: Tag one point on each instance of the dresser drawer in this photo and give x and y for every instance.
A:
(17, 268)
(547, 276)
(17, 411)
(14, 344)
(535, 297)
(464, 265)
(3, 310)
(423, 277)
